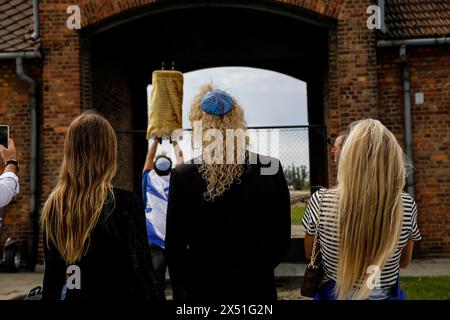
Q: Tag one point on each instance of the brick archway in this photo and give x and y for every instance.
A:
(96, 11)
(111, 88)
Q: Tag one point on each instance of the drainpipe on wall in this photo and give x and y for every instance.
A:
(37, 30)
(19, 56)
(407, 93)
(33, 165)
(382, 15)
(408, 124)
(414, 42)
(24, 55)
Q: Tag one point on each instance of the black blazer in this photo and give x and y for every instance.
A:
(118, 262)
(227, 250)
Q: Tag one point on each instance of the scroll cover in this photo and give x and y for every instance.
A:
(165, 114)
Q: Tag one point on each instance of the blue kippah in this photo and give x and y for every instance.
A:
(163, 164)
(216, 102)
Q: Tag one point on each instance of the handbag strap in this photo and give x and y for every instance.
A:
(314, 254)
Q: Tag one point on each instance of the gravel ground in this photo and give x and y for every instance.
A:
(289, 288)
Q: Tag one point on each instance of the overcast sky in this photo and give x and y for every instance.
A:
(269, 98)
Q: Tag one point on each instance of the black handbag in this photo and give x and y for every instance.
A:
(314, 270)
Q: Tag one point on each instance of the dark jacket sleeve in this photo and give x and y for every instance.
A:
(54, 274)
(281, 222)
(176, 239)
(144, 284)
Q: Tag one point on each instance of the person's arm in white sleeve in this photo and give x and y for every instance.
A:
(9, 182)
(9, 187)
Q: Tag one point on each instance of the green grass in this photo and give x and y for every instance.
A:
(426, 288)
(297, 214)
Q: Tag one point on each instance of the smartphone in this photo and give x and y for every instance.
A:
(4, 135)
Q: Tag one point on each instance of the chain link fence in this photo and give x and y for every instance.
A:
(288, 144)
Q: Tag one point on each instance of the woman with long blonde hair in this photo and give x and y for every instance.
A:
(95, 239)
(366, 224)
(228, 223)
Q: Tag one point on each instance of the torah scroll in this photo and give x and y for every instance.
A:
(165, 113)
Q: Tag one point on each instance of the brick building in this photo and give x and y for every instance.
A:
(399, 74)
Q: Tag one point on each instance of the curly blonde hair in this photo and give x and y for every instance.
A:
(218, 177)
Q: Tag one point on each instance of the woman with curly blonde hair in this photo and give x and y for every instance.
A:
(228, 221)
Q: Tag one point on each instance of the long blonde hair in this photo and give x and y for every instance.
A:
(371, 177)
(218, 177)
(84, 185)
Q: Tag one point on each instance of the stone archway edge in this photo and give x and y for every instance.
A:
(94, 11)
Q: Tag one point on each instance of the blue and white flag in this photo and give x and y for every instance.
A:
(155, 191)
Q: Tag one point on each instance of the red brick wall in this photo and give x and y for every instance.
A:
(390, 91)
(331, 114)
(61, 89)
(61, 85)
(352, 80)
(430, 74)
(15, 111)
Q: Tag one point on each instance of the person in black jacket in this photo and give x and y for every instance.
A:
(228, 224)
(95, 238)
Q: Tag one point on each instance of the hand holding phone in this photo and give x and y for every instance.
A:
(4, 135)
(9, 153)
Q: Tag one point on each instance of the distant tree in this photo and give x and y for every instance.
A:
(297, 177)
(303, 177)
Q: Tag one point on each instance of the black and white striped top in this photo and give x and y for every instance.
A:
(329, 238)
